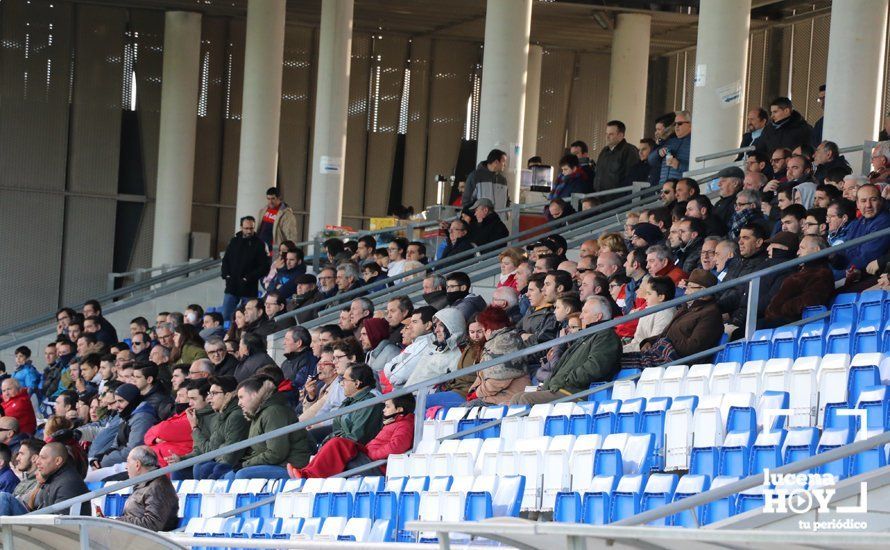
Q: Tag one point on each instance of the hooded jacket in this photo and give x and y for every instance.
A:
(293, 448)
(789, 133)
(441, 359)
(19, 407)
(175, 437)
(134, 424)
(227, 426)
(399, 369)
(807, 190)
(244, 264)
(499, 383)
(27, 376)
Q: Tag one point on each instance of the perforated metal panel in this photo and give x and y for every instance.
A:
(557, 67)
(672, 82)
(416, 136)
(757, 48)
(688, 81)
(453, 63)
(387, 81)
(356, 131)
(88, 247)
(589, 103)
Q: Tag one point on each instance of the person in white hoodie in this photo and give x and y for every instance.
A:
(399, 368)
(654, 290)
(449, 328)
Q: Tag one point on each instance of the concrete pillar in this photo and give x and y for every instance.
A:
(721, 57)
(532, 103)
(504, 64)
(855, 73)
(176, 144)
(331, 102)
(629, 73)
(260, 105)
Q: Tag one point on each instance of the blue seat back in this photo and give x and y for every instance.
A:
(567, 508)
(478, 506)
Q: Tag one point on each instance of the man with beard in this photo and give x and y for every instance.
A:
(692, 233)
(420, 329)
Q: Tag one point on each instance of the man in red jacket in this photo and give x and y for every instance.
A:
(174, 435)
(340, 454)
(17, 404)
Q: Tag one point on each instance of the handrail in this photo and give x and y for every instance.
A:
(728, 152)
(469, 256)
(424, 385)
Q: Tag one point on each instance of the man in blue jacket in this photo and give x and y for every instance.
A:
(674, 153)
(874, 218)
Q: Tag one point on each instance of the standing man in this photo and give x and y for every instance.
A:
(244, 264)
(616, 160)
(675, 151)
(788, 129)
(278, 223)
(489, 170)
(579, 149)
(817, 128)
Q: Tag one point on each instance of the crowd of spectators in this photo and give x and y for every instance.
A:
(101, 406)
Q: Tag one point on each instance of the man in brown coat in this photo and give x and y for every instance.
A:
(153, 504)
(812, 285)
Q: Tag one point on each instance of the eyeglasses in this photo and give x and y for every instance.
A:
(680, 123)
(773, 161)
(215, 351)
(743, 204)
(708, 253)
(338, 357)
(216, 392)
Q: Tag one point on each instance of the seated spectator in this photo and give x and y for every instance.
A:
(315, 392)
(252, 355)
(362, 425)
(811, 285)
(226, 425)
(267, 410)
(539, 324)
(188, 346)
(660, 263)
(747, 210)
(733, 302)
(506, 298)
(345, 352)
(8, 478)
(457, 290)
(700, 207)
(589, 359)
(558, 208)
(496, 385)
(256, 321)
(61, 482)
(815, 223)
(454, 392)
(655, 290)
(449, 328)
(791, 219)
(489, 227)
(224, 364)
(696, 327)
(25, 462)
(510, 259)
(212, 326)
(568, 307)
(10, 434)
(299, 363)
(692, 234)
(145, 378)
(17, 404)
(374, 338)
(25, 372)
(875, 217)
(646, 235)
(458, 239)
(174, 435)
(341, 454)
(372, 274)
(153, 504)
(839, 217)
(285, 280)
(137, 416)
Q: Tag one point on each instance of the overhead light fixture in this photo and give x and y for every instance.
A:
(600, 20)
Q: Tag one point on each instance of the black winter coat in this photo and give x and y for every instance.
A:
(63, 484)
(489, 230)
(244, 264)
(789, 133)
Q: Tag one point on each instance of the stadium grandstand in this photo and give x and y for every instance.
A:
(403, 273)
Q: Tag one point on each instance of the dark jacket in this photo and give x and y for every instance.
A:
(299, 366)
(477, 176)
(734, 301)
(293, 448)
(789, 133)
(201, 434)
(595, 358)
(61, 485)
(822, 169)
(285, 283)
(489, 230)
(251, 364)
(162, 402)
(8, 480)
(680, 148)
(469, 305)
(362, 425)
(244, 264)
(723, 210)
(689, 257)
(862, 255)
(130, 434)
(812, 285)
(229, 426)
(575, 182)
(461, 245)
(695, 327)
(303, 300)
(614, 166)
(227, 367)
(153, 505)
(261, 327)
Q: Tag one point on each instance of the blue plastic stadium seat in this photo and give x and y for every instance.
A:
(834, 420)
(867, 338)
(800, 443)
(581, 424)
(811, 342)
(630, 415)
(627, 373)
(833, 438)
(627, 496)
(885, 338)
(876, 402)
(688, 486)
(759, 345)
(722, 508)
(567, 508)
(741, 418)
(767, 451)
(603, 395)
(749, 501)
(735, 454)
(812, 311)
(785, 342)
(341, 505)
(734, 352)
(466, 424)
(870, 459)
(652, 422)
(839, 337)
(191, 507)
(704, 461)
(605, 421)
(659, 491)
(597, 501)
(556, 425)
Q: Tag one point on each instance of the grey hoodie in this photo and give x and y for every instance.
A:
(442, 361)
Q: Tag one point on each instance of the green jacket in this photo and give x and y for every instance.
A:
(191, 353)
(592, 359)
(202, 434)
(361, 425)
(293, 448)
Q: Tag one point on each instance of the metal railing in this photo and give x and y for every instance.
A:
(423, 387)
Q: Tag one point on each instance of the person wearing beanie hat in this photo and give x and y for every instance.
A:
(137, 416)
(645, 235)
(696, 327)
(307, 294)
(374, 337)
(783, 245)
